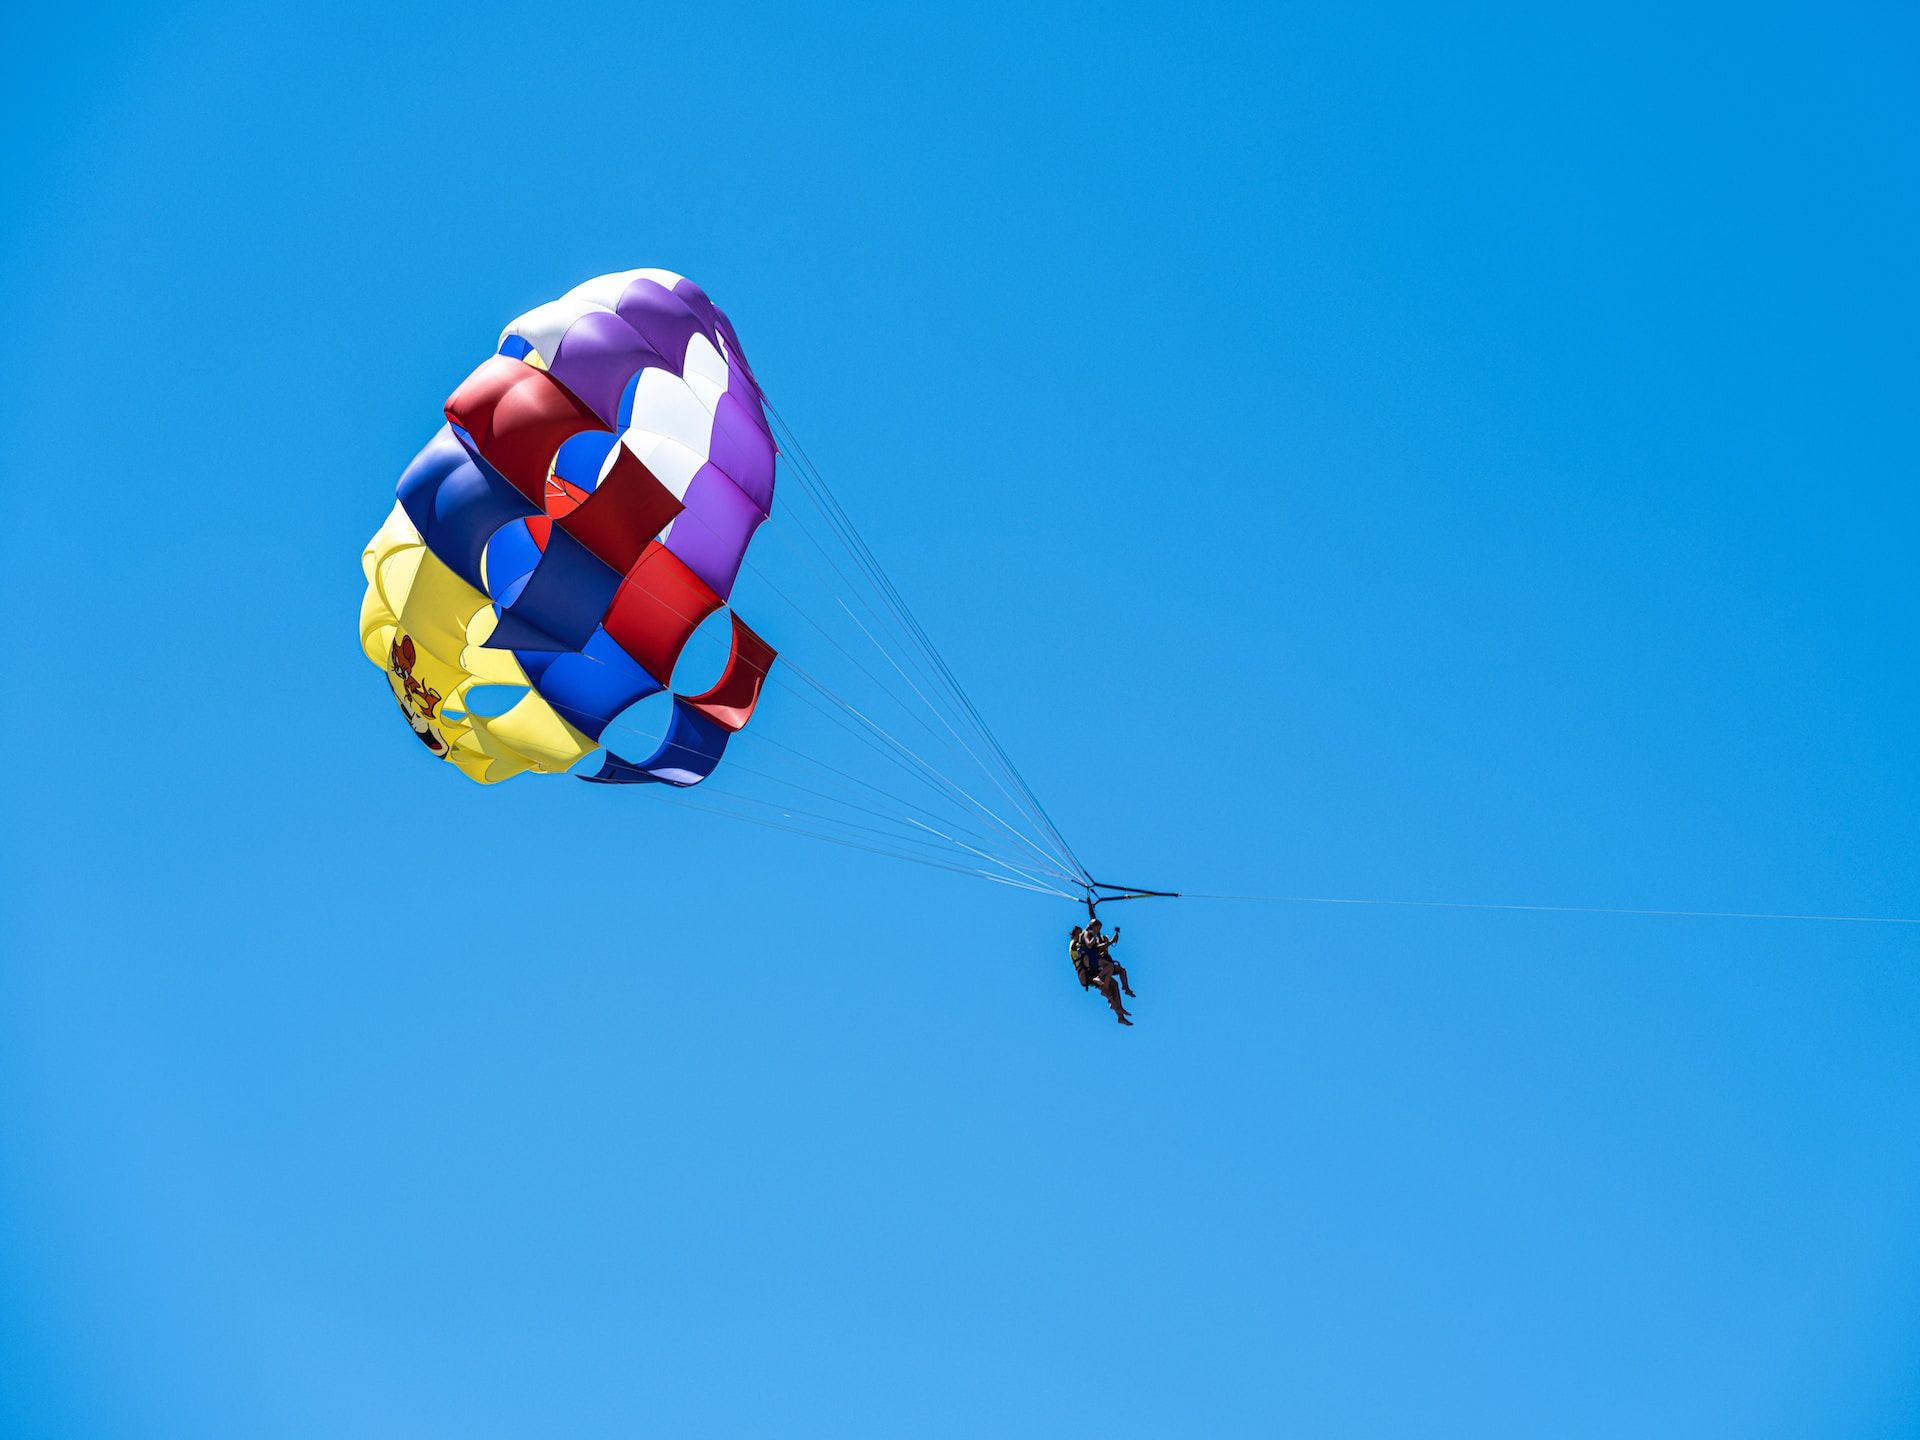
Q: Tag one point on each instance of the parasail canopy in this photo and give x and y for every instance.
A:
(575, 531)
(583, 511)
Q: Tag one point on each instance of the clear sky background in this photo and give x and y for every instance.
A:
(1471, 455)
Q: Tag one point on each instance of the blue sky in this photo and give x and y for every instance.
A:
(1462, 457)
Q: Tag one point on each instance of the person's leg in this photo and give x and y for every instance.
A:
(1120, 972)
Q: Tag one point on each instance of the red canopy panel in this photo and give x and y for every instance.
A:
(730, 702)
(657, 608)
(626, 512)
(518, 416)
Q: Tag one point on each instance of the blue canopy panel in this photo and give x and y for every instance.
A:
(688, 755)
(564, 601)
(511, 556)
(591, 687)
(582, 456)
(456, 502)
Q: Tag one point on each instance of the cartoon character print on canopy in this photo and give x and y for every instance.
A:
(585, 508)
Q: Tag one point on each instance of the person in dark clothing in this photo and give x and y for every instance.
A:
(1100, 971)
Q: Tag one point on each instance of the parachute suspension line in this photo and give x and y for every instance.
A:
(933, 709)
(1026, 870)
(830, 839)
(897, 799)
(792, 522)
(822, 493)
(937, 779)
(834, 641)
(870, 849)
(815, 486)
(1561, 909)
(713, 786)
(892, 841)
(795, 522)
(929, 777)
(932, 774)
(900, 800)
(1004, 865)
(874, 726)
(810, 487)
(931, 771)
(958, 738)
(867, 810)
(938, 774)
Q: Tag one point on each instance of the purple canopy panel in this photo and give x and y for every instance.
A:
(663, 320)
(745, 390)
(598, 355)
(743, 449)
(710, 537)
(695, 299)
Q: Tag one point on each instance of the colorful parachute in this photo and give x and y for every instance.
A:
(575, 525)
(584, 510)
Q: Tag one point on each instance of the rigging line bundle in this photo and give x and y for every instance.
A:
(932, 774)
(815, 486)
